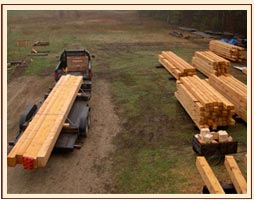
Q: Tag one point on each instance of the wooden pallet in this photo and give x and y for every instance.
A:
(234, 90)
(176, 65)
(208, 63)
(36, 143)
(228, 51)
(205, 105)
(211, 180)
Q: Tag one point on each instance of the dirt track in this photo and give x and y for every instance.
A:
(83, 171)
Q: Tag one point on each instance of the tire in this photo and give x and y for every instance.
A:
(83, 127)
(59, 74)
(214, 157)
(88, 119)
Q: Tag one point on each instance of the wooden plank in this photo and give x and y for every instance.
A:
(208, 176)
(46, 124)
(53, 125)
(233, 90)
(235, 175)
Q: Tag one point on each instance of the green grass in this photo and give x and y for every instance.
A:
(153, 150)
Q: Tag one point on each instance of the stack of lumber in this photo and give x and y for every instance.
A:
(176, 65)
(228, 51)
(36, 143)
(234, 90)
(213, 183)
(205, 105)
(208, 63)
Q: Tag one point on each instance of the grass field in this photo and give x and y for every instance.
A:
(154, 148)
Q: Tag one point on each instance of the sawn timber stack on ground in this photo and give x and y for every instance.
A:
(208, 63)
(228, 51)
(35, 145)
(176, 65)
(205, 105)
(234, 90)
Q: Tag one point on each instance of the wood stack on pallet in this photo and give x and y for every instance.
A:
(176, 65)
(225, 50)
(205, 105)
(36, 143)
(207, 137)
(208, 63)
(234, 90)
(211, 180)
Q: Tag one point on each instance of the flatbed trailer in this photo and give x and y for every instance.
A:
(77, 123)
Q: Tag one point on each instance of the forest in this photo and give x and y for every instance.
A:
(234, 21)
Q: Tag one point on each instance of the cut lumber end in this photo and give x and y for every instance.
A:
(236, 175)
(208, 176)
(29, 163)
(11, 160)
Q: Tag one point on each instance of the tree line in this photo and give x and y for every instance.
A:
(234, 21)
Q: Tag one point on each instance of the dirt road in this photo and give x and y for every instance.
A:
(83, 171)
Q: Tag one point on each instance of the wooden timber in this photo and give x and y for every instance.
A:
(208, 176)
(212, 182)
(208, 63)
(235, 174)
(176, 65)
(228, 51)
(36, 143)
(205, 105)
(234, 90)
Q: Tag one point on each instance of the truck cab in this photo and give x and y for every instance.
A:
(75, 62)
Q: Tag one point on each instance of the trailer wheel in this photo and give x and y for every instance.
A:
(83, 127)
(214, 157)
(88, 120)
(59, 74)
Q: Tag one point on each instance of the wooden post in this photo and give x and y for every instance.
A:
(235, 175)
(208, 176)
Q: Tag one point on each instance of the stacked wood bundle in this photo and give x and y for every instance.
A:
(234, 90)
(205, 105)
(228, 51)
(36, 143)
(208, 63)
(176, 65)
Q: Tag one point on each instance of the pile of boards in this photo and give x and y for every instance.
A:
(207, 137)
(36, 143)
(208, 63)
(234, 90)
(176, 65)
(225, 50)
(205, 105)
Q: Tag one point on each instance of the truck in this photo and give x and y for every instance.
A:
(78, 121)
(76, 62)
